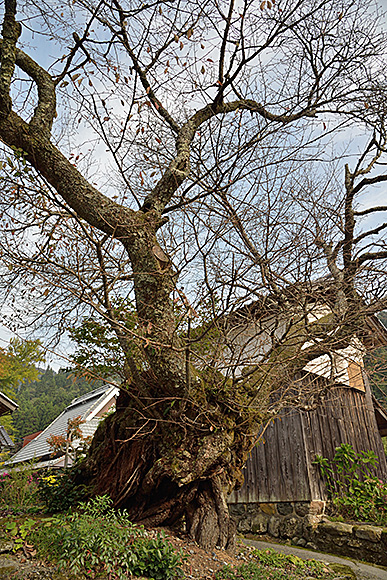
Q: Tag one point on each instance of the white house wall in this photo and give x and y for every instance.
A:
(250, 340)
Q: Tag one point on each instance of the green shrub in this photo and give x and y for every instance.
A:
(98, 539)
(58, 491)
(352, 487)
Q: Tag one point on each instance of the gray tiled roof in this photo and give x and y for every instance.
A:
(82, 406)
(90, 427)
(89, 396)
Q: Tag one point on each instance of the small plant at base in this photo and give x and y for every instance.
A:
(19, 532)
(157, 558)
(355, 492)
(268, 564)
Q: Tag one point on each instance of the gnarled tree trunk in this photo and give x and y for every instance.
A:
(176, 445)
(161, 479)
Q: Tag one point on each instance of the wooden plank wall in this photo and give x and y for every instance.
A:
(281, 468)
(277, 468)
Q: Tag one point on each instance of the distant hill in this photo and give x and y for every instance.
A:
(42, 400)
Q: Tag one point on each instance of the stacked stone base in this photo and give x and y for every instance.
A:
(285, 520)
(305, 525)
(361, 542)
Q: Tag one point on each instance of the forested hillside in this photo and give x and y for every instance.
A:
(40, 401)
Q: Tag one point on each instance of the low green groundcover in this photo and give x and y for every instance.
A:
(270, 565)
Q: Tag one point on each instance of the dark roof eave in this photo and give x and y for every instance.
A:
(7, 405)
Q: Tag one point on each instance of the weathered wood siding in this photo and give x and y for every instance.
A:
(280, 467)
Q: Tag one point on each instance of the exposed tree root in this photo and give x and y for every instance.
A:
(121, 469)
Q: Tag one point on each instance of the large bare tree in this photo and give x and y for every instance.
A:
(195, 144)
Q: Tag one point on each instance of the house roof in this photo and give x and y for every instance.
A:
(309, 292)
(5, 439)
(6, 404)
(87, 407)
(373, 333)
(29, 437)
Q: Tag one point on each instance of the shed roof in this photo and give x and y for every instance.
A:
(372, 333)
(87, 406)
(6, 404)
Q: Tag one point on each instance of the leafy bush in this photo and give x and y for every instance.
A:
(58, 492)
(353, 488)
(19, 490)
(267, 564)
(99, 539)
(156, 558)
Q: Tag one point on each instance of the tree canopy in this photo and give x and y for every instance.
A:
(166, 164)
(17, 367)
(18, 364)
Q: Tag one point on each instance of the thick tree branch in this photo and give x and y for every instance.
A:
(179, 169)
(224, 43)
(45, 111)
(371, 210)
(88, 203)
(349, 220)
(369, 181)
(11, 32)
(368, 256)
(370, 233)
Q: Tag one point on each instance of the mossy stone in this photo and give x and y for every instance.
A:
(343, 571)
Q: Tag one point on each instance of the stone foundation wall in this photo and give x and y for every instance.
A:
(305, 525)
(285, 520)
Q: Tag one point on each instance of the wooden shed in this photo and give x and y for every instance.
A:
(281, 471)
(281, 467)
